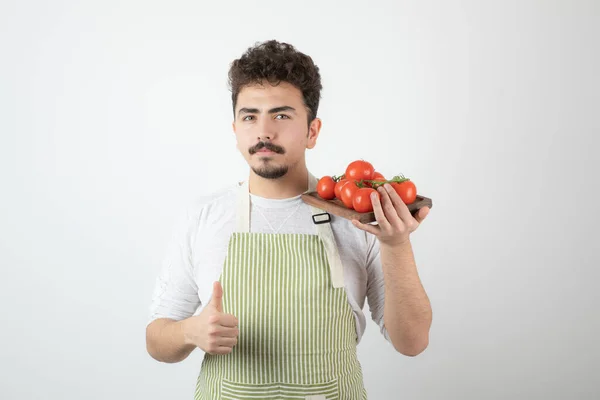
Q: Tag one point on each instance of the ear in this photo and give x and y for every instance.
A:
(313, 132)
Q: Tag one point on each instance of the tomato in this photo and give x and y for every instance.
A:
(348, 191)
(361, 201)
(377, 176)
(338, 188)
(360, 169)
(326, 187)
(406, 190)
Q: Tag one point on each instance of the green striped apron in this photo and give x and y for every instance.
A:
(297, 335)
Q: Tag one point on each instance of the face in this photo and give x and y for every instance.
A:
(272, 130)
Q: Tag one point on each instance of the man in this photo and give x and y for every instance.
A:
(274, 299)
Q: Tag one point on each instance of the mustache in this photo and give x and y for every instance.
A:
(266, 145)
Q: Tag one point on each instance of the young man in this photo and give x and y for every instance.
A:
(273, 299)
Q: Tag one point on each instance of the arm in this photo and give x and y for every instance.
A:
(407, 312)
(166, 342)
(173, 331)
(212, 331)
(175, 297)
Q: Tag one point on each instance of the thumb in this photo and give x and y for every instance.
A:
(421, 214)
(217, 297)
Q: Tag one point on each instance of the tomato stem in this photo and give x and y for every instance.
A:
(338, 178)
(375, 183)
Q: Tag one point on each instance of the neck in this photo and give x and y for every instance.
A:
(294, 183)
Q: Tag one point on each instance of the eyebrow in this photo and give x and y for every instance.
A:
(246, 110)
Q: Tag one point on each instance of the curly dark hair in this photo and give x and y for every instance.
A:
(275, 62)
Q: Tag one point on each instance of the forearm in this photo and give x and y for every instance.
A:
(407, 310)
(165, 341)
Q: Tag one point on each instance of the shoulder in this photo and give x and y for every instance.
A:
(207, 209)
(215, 202)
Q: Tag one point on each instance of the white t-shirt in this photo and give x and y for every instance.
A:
(197, 252)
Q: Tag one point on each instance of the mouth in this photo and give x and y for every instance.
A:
(266, 148)
(265, 151)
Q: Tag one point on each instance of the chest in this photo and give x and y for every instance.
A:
(211, 246)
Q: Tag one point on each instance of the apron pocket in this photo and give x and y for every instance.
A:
(231, 390)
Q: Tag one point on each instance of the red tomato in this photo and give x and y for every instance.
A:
(348, 191)
(362, 200)
(377, 176)
(338, 188)
(359, 169)
(406, 190)
(326, 187)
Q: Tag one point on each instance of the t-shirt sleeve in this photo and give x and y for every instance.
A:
(375, 284)
(175, 293)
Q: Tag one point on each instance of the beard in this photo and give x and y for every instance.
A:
(266, 170)
(270, 171)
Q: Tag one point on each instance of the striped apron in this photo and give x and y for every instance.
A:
(297, 334)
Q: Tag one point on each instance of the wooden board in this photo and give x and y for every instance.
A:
(336, 207)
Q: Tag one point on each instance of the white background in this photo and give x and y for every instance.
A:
(116, 114)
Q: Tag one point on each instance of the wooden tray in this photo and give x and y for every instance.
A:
(336, 207)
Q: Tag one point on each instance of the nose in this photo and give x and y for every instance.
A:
(266, 130)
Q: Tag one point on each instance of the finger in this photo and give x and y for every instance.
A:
(217, 297)
(421, 214)
(222, 350)
(227, 341)
(378, 211)
(366, 227)
(224, 331)
(228, 321)
(401, 208)
(388, 207)
(223, 320)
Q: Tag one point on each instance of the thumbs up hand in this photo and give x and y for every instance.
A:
(217, 297)
(212, 330)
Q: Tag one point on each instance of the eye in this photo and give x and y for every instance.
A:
(282, 115)
(246, 118)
